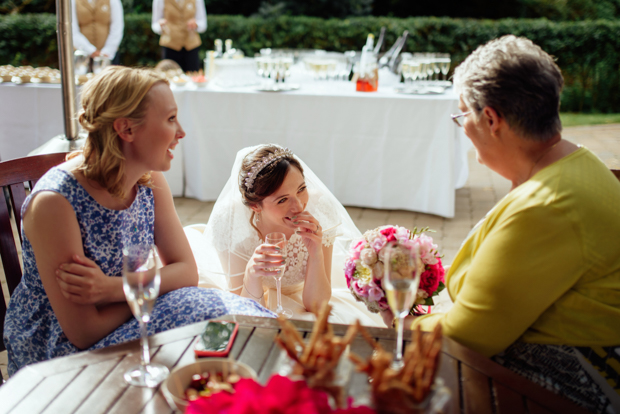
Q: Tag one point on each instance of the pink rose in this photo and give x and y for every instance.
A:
(349, 270)
(360, 289)
(378, 243)
(427, 249)
(375, 293)
(402, 234)
(430, 278)
(389, 233)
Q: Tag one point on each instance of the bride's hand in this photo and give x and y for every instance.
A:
(265, 257)
(310, 230)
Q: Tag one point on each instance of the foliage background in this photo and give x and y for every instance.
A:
(587, 51)
(486, 9)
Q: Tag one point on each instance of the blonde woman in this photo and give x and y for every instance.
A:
(82, 213)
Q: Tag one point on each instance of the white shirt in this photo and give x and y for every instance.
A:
(158, 14)
(115, 35)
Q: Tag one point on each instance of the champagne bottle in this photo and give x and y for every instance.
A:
(227, 48)
(218, 48)
(368, 79)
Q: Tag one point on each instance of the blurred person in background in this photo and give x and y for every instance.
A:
(98, 27)
(178, 23)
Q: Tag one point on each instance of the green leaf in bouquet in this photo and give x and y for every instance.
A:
(429, 301)
(441, 287)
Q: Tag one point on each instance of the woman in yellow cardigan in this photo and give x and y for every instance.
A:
(536, 284)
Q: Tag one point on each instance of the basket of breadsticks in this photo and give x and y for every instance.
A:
(414, 388)
(317, 360)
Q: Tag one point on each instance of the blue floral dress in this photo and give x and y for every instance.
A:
(32, 332)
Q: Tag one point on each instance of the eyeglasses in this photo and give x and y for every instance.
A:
(457, 117)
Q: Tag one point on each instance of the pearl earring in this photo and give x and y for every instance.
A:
(258, 217)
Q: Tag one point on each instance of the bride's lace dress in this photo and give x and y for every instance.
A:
(224, 246)
(345, 309)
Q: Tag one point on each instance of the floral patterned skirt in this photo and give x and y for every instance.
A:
(38, 337)
(558, 368)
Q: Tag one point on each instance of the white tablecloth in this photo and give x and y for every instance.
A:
(381, 150)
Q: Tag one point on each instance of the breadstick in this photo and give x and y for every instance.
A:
(371, 341)
(291, 353)
(316, 330)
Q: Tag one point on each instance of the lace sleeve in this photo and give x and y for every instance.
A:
(329, 235)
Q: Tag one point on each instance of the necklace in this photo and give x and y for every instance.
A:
(540, 158)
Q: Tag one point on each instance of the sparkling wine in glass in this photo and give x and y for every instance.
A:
(401, 280)
(444, 63)
(279, 240)
(141, 281)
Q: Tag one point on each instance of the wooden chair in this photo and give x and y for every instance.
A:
(616, 173)
(17, 176)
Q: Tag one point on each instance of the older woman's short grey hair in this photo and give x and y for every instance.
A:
(517, 79)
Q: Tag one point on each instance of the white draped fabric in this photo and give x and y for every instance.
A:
(380, 150)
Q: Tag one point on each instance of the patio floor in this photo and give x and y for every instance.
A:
(482, 190)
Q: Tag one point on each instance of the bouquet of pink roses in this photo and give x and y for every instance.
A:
(364, 266)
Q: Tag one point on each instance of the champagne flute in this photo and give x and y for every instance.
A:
(402, 277)
(141, 281)
(444, 65)
(279, 240)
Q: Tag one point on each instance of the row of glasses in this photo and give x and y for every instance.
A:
(273, 69)
(426, 67)
(324, 66)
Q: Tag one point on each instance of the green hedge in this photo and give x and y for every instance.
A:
(585, 51)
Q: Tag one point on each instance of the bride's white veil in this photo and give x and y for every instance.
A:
(228, 241)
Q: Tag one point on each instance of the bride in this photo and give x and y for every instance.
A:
(271, 190)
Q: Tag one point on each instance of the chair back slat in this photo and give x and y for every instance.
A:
(13, 175)
(8, 250)
(18, 196)
(2, 315)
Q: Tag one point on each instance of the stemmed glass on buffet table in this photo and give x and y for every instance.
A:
(424, 72)
(141, 280)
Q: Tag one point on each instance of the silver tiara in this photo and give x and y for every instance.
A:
(257, 168)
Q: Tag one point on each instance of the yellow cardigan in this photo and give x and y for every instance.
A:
(543, 266)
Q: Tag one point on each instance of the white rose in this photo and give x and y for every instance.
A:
(368, 256)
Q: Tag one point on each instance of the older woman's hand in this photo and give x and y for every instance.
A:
(83, 282)
(390, 321)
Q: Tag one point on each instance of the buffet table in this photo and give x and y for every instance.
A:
(380, 150)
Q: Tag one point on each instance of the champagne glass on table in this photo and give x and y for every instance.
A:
(401, 280)
(279, 240)
(141, 281)
(444, 64)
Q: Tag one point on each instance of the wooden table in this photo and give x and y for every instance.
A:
(92, 382)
